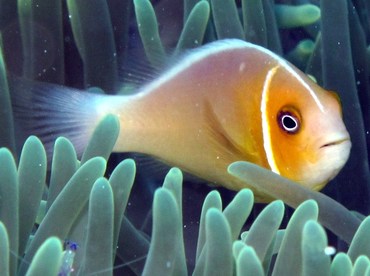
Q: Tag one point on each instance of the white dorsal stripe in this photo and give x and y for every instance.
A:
(194, 56)
(267, 139)
(290, 69)
(219, 46)
(304, 84)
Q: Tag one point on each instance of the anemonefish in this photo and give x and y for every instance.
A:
(227, 101)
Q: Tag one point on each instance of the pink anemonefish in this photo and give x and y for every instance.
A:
(224, 102)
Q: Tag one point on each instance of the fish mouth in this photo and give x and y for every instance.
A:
(336, 142)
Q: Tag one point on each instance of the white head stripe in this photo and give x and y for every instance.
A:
(267, 143)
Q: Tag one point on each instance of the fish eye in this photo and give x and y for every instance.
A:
(288, 122)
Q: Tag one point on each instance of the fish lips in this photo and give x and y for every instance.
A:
(336, 153)
(340, 141)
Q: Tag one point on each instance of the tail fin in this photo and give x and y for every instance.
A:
(49, 111)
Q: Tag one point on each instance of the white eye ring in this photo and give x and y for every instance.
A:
(288, 122)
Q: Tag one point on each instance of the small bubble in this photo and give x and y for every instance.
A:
(168, 264)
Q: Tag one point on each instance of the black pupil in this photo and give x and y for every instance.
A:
(289, 123)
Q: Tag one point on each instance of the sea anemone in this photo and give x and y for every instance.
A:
(85, 211)
(72, 207)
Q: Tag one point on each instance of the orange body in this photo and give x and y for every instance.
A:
(223, 105)
(224, 102)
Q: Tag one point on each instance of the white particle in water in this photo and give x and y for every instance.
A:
(242, 67)
(330, 250)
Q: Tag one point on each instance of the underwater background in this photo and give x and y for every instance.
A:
(113, 46)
